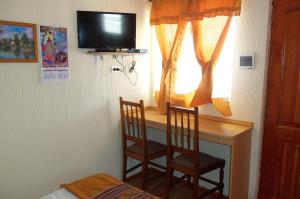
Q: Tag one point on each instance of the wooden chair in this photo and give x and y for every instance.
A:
(134, 139)
(185, 142)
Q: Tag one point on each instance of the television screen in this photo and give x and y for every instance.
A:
(106, 30)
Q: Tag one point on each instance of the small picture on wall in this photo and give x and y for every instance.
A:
(18, 42)
(54, 49)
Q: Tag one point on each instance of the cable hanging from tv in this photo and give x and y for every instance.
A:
(130, 70)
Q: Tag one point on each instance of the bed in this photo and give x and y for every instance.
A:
(60, 194)
(99, 186)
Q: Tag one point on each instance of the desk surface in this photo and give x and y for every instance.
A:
(213, 129)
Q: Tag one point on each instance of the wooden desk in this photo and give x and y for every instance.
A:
(236, 134)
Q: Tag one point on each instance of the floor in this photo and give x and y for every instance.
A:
(157, 187)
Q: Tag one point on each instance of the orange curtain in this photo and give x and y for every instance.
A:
(209, 33)
(170, 51)
(209, 36)
(173, 11)
(168, 11)
(198, 9)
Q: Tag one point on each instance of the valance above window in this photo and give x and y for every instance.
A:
(168, 11)
(172, 11)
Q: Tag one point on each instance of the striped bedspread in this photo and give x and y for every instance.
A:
(124, 191)
(104, 186)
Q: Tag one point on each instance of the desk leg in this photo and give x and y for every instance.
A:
(240, 166)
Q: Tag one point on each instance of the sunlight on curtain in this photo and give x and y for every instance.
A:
(156, 61)
(157, 58)
(187, 63)
(188, 70)
(187, 81)
(222, 75)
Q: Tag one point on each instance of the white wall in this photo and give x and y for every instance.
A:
(56, 132)
(52, 133)
(248, 86)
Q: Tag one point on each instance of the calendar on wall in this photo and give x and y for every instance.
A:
(54, 49)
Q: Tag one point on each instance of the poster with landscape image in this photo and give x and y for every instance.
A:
(18, 42)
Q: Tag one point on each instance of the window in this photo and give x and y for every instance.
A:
(188, 69)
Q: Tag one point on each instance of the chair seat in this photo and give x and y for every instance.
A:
(206, 162)
(153, 148)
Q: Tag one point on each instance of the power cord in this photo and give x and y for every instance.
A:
(131, 70)
(133, 63)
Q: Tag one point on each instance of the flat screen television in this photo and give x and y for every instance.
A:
(106, 31)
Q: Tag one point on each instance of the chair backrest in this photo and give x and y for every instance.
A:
(183, 131)
(133, 123)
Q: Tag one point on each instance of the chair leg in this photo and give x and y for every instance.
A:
(168, 182)
(189, 180)
(195, 186)
(124, 167)
(221, 183)
(171, 177)
(145, 169)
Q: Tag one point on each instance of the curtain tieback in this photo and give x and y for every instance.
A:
(206, 66)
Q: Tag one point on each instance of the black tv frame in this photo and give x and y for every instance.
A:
(106, 48)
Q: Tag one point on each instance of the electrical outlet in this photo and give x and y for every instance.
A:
(116, 69)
